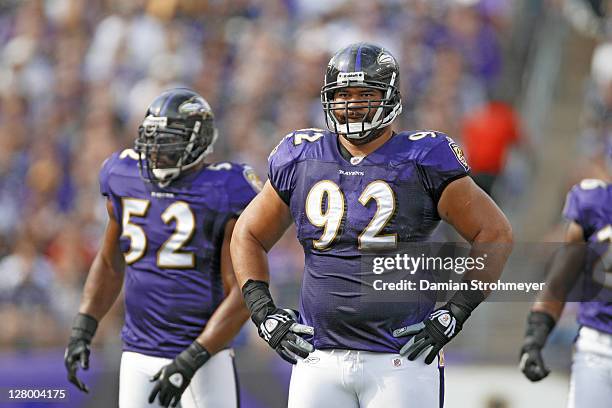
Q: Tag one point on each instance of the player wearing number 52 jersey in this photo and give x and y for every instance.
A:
(358, 187)
(171, 219)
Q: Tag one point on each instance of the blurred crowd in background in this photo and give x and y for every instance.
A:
(76, 77)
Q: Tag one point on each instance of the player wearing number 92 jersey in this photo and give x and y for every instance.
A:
(341, 209)
(171, 218)
(360, 187)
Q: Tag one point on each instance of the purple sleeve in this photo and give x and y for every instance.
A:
(104, 177)
(281, 169)
(242, 188)
(105, 185)
(442, 164)
(571, 210)
(582, 203)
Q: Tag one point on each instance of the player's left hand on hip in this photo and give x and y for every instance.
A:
(173, 379)
(283, 333)
(429, 336)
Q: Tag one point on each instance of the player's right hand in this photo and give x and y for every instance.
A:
(278, 327)
(78, 350)
(532, 363)
(172, 380)
(281, 331)
(539, 326)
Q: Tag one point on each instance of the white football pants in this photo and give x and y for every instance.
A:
(213, 385)
(361, 379)
(591, 382)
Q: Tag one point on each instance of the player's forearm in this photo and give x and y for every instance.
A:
(494, 243)
(249, 256)
(102, 287)
(497, 231)
(564, 270)
(553, 309)
(225, 323)
(551, 300)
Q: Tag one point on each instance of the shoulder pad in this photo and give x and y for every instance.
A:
(586, 194)
(591, 184)
(297, 142)
(425, 135)
(417, 144)
(120, 161)
(128, 154)
(237, 173)
(221, 166)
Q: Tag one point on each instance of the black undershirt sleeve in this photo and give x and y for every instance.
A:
(284, 195)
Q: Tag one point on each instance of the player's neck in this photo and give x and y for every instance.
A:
(367, 148)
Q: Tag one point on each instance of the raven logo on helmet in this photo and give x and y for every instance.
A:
(176, 135)
(385, 58)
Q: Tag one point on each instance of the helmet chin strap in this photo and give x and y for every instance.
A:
(363, 132)
(165, 176)
(369, 136)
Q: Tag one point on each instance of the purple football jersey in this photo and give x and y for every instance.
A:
(171, 239)
(589, 204)
(343, 208)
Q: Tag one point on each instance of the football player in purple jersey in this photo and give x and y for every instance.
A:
(588, 209)
(171, 216)
(356, 188)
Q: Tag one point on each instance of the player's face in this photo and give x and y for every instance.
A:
(167, 152)
(356, 104)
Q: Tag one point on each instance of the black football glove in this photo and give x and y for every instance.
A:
(278, 327)
(173, 379)
(539, 326)
(78, 350)
(432, 334)
(281, 330)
